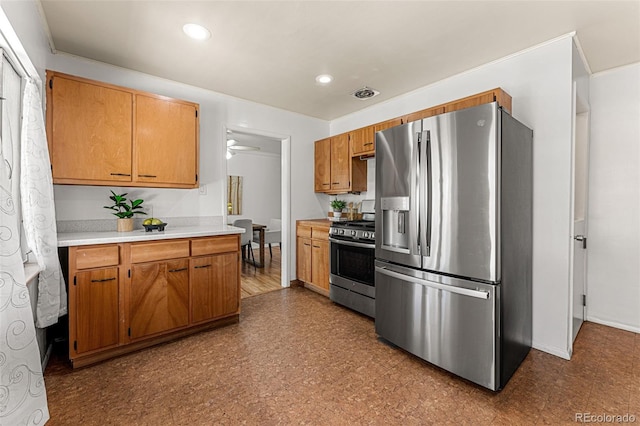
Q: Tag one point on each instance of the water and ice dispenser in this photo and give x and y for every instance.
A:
(395, 223)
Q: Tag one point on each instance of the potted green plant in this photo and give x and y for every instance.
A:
(125, 211)
(337, 206)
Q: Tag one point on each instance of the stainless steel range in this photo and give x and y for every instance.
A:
(352, 256)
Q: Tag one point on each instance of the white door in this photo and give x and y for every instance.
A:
(579, 248)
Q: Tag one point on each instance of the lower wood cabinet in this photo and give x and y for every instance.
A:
(159, 297)
(123, 297)
(320, 263)
(312, 254)
(212, 292)
(96, 309)
(303, 259)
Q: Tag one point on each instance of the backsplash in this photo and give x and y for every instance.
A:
(106, 225)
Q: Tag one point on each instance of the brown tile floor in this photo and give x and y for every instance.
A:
(296, 358)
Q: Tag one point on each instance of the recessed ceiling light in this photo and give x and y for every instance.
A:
(231, 142)
(196, 31)
(324, 79)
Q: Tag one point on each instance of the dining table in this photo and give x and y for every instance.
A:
(260, 229)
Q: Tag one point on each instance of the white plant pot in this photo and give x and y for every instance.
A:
(337, 214)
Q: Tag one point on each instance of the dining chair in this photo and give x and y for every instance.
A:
(245, 239)
(272, 234)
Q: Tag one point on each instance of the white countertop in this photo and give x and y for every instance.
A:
(68, 239)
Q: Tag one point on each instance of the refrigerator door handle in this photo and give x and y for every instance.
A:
(424, 191)
(478, 294)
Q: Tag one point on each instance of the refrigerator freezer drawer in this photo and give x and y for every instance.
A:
(449, 322)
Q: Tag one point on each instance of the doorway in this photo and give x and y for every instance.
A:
(259, 162)
(579, 226)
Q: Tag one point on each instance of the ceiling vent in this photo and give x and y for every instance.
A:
(365, 93)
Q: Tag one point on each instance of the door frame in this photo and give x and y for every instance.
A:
(285, 190)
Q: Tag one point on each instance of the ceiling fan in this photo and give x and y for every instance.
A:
(232, 147)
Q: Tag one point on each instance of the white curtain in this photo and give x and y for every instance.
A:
(38, 212)
(23, 399)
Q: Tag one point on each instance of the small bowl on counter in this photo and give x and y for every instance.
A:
(159, 227)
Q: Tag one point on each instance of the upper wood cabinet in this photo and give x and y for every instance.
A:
(388, 124)
(322, 162)
(363, 141)
(101, 134)
(165, 133)
(494, 95)
(340, 160)
(89, 130)
(336, 172)
(419, 115)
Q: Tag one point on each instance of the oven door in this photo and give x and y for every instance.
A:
(352, 266)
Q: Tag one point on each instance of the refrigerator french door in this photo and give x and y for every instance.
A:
(454, 222)
(450, 322)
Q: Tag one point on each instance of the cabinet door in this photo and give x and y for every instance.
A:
(214, 286)
(166, 141)
(340, 161)
(89, 131)
(96, 309)
(159, 297)
(471, 101)
(303, 259)
(419, 115)
(322, 164)
(320, 263)
(388, 124)
(363, 141)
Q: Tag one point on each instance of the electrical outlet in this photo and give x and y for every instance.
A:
(203, 189)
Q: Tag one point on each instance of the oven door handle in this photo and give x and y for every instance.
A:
(353, 243)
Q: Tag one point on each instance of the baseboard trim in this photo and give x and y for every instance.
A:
(614, 324)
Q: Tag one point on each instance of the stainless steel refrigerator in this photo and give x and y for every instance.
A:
(454, 241)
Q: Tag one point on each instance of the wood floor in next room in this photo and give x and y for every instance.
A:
(297, 358)
(256, 281)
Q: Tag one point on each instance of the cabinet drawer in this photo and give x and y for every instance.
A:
(303, 231)
(320, 233)
(147, 252)
(224, 244)
(97, 256)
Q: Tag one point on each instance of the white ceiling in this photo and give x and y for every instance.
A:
(271, 51)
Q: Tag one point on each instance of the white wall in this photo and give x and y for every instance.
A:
(216, 112)
(539, 81)
(260, 185)
(613, 252)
